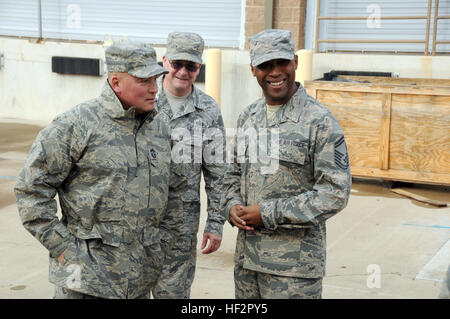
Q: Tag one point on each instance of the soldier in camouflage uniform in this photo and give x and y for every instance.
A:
(281, 200)
(198, 139)
(445, 289)
(107, 159)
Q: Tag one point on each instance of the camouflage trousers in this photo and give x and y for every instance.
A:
(445, 291)
(64, 293)
(178, 271)
(257, 285)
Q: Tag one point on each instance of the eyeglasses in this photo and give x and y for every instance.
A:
(191, 67)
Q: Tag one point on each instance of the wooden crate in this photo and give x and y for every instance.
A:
(396, 129)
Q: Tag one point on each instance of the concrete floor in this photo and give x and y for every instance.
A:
(381, 245)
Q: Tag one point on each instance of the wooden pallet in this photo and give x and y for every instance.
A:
(396, 128)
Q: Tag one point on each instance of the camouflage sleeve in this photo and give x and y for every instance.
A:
(171, 222)
(46, 167)
(331, 190)
(231, 181)
(172, 218)
(214, 167)
(445, 290)
(231, 188)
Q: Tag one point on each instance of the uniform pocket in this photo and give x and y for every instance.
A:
(292, 160)
(191, 213)
(151, 241)
(150, 236)
(292, 154)
(103, 193)
(185, 244)
(282, 247)
(71, 251)
(177, 178)
(110, 233)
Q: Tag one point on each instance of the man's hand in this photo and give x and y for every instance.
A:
(61, 257)
(246, 217)
(251, 215)
(235, 212)
(214, 242)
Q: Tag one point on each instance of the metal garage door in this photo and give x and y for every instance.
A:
(373, 28)
(219, 22)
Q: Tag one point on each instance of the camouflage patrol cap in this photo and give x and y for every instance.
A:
(135, 58)
(271, 44)
(185, 46)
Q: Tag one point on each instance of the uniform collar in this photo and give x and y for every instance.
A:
(291, 110)
(190, 105)
(112, 105)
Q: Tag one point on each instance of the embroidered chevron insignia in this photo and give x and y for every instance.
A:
(341, 154)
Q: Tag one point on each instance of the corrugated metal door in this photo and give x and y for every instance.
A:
(19, 18)
(218, 22)
(373, 28)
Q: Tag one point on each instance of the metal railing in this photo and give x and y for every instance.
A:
(435, 27)
(426, 17)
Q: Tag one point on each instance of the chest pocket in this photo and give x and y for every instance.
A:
(292, 153)
(186, 168)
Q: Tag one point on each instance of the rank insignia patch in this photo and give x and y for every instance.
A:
(153, 153)
(341, 154)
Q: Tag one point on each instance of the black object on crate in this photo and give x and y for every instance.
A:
(334, 75)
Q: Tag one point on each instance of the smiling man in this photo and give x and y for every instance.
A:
(108, 161)
(194, 115)
(281, 214)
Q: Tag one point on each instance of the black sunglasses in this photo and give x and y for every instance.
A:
(191, 67)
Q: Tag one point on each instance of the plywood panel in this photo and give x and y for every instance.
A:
(378, 88)
(397, 129)
(420, 133)
(397, 81)
(359, 114)
(385, 132)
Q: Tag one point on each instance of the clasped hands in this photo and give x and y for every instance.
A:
(246, 217)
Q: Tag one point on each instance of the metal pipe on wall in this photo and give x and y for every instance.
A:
(304, 69)
(268, 14)
(40, 18)
(213, 74)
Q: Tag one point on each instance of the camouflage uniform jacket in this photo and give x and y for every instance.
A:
(198, 141)
(310, 185)
(111, 174)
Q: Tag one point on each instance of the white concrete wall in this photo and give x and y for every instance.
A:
(407, 66)
(29, 90)
(239, 87)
